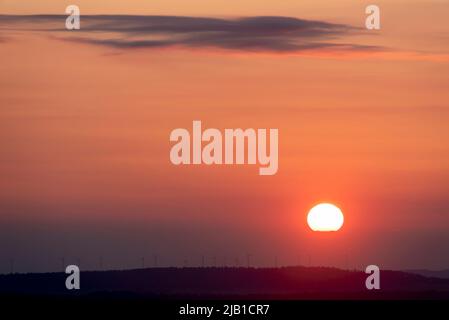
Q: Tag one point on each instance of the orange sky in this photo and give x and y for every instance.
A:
(85, 138)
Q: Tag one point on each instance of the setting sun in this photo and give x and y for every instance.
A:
(325, 217)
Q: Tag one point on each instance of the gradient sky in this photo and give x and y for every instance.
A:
(85, 124)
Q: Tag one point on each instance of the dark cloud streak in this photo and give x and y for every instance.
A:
(263, 33)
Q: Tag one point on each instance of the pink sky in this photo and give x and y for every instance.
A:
(85, 140)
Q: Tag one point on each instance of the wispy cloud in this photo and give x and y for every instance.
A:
(254, 34)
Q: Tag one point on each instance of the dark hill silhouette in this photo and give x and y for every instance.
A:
(431, 273)
(234, 283)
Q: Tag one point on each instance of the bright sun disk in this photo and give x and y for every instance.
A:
(325, 217)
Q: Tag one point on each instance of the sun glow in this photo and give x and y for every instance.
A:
(325, 217)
